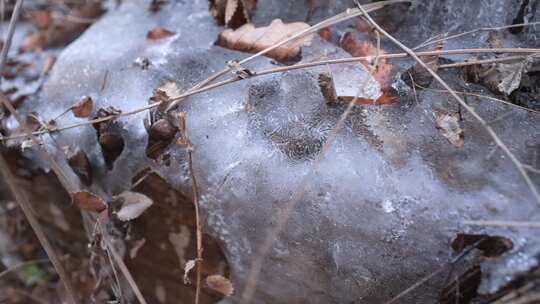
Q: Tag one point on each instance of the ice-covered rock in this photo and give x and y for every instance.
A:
(382, 208)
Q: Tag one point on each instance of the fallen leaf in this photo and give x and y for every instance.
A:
(165, 94)
(326, 34)
(56, 29)
(499, 77)
(220, 284)
(511, 76)
(232, 13)
(88, 201)
(418, 75)
(163, 129)
(170, 89)
(187, 268)
(450, 128)
(83, 108)
(79, 163)
(248, 38)
(112, 145)
(133, 205)
(159, 33)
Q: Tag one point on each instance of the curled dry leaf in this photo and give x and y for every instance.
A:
(187, 268)
(220, 284)
(165, 94)
(232, 13)
(79, 163)
(326, 34)
(83, 108)
(59, 28)
(159, 33)
(133, 205)
(88, 201)
(112, 145)
(248, 38)
(450, 128)
(499, 77)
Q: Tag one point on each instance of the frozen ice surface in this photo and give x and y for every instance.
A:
(381, 210)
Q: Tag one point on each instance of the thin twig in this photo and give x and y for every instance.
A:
(463, 104)
(513, 224)
(483, 61)
(483, 97)
(256, 266)
(24, 204)
(184, 141)
(231, 80)
(11, 30)
(120, 262)
(483, 29)
(532, 169)
(435, 273)
(348, 14)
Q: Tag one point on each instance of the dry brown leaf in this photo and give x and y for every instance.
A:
(83, 108)
(79, 163)
(159, 33)
(88, 201)
(57, 29)
(133, 205)
(220, 284)
(326, 34)
(112, 145)
(230, 9)
(187, 268)
(450, 128)
(232, 13)
(248, 38)
(499, 77)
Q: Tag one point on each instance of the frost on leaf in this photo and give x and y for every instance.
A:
(133, 205)
(159, 33)
(88, 201)
(232, 13)
(220, 284)
(187, 268)
(248, 38)
(83, 108)
(450, 128)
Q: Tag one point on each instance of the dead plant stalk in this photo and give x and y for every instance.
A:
(184, 141)
(198, 89)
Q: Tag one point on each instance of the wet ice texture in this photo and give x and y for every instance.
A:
(384, 204)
